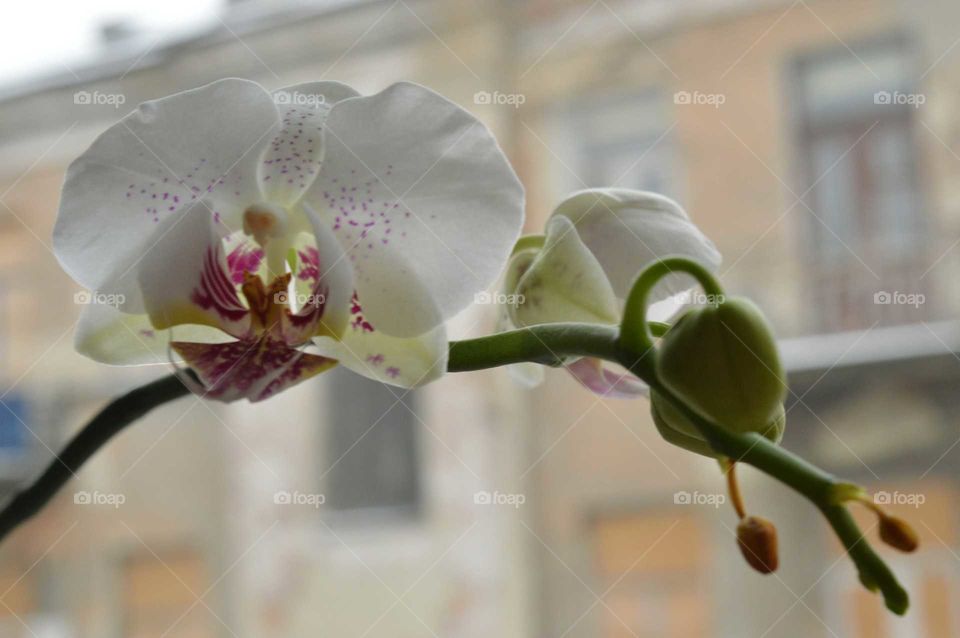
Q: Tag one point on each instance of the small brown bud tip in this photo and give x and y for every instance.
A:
(897, 533)
(757, 538)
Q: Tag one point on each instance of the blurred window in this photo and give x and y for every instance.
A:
(160, 595)
(858, 157)
(652, 562)
(618, 140)
(372, 456)
(13, 431)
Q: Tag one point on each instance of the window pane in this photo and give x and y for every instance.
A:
(371, 445)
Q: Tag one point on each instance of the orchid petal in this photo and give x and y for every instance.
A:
(628, 230)
(254, 369)
(109, 336)
(244, 256)
(292, 159)
(326, 276)
(423, 201)
(597, 377)
(526, 249)
(153, 164)
(402, 361)
(563, 282)
(185, 279)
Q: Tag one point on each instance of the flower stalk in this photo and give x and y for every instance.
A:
(548, 344)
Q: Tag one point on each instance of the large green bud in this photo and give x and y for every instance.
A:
(722, 361)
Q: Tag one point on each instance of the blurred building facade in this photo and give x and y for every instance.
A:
(816, 141)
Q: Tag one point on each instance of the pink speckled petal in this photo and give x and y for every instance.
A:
(292, 159)
(599, 379)
(323, 284)
(254, 369)
(185, 279)
(423, 201)
(244, 256)
(402, 361)
(160, 159)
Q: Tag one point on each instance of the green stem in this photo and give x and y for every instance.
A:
(548, 343)
(120, 413)
(639, 339)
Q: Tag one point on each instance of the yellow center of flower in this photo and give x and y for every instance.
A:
(264, 221)
(267, 303)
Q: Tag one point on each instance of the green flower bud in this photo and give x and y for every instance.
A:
(675, 428)
(722, 362)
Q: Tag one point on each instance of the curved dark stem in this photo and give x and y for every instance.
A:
(120, 413)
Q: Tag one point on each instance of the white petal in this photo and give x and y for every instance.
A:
(402, 361)
(292, 159)
(564, 282)
(627, 230)
(184, 277)
(423, 200)
(107, 335)
(158, 160)
(529, 375)
(597, 376)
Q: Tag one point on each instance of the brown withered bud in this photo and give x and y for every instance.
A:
(757, 538)
(896, 533)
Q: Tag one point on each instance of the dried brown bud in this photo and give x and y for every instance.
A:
(757, 538)
(896, 533)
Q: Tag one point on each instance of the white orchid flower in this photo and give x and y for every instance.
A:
(240, 228)
(597, 242)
